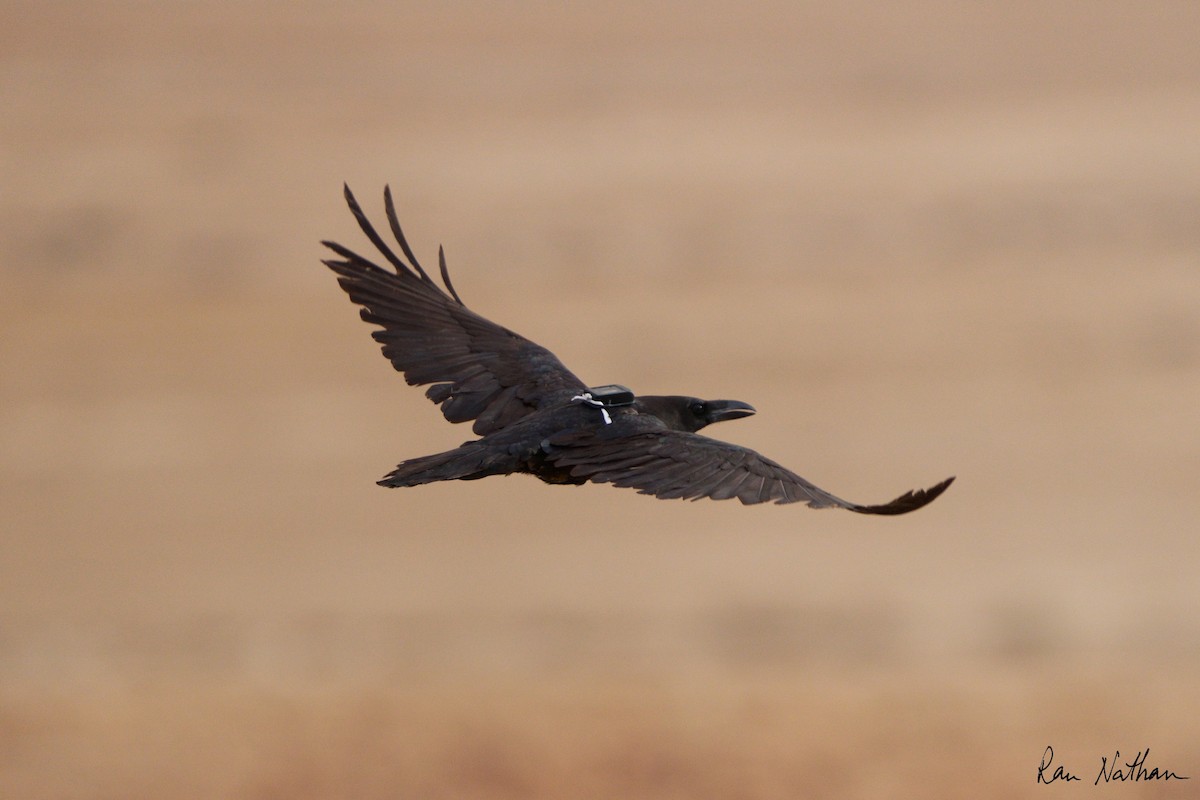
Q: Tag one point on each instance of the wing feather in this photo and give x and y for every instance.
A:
(479, 370)
(679, 465)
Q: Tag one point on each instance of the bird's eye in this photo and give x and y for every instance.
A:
(698, 409)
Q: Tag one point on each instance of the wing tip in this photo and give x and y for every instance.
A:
(909, 501)
(413, 265)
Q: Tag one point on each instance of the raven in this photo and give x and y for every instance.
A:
(534, 416)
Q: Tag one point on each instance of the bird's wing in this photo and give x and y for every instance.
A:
(479, 370)
(678, 465)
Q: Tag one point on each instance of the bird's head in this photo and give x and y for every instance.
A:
(691, 413)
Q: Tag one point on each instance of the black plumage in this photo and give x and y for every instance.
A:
(534, 416)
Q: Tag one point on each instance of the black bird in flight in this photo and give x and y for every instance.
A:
(534, 416)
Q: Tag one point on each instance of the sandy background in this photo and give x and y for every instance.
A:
(922, 238)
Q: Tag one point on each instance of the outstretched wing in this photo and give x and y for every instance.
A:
(479, 370)
(678, 465)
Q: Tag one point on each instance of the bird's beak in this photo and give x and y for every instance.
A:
(722, 410)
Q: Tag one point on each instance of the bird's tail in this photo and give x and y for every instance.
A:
(467, 463)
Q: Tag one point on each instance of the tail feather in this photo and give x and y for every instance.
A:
(470, 462)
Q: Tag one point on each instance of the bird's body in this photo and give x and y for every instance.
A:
(534, 416)
(536, 443)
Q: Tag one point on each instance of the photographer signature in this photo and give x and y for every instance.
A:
(1114, 771)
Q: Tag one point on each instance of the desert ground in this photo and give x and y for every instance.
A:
(924, 239)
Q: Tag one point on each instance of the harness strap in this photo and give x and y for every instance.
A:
(587, 399)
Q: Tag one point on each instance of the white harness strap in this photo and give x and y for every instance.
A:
(587, 399)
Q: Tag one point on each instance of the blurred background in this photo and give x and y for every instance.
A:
(922, 238)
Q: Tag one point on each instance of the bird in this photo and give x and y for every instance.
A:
(533, 416)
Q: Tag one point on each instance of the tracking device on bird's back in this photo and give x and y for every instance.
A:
(604, 398)
(612, 395)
